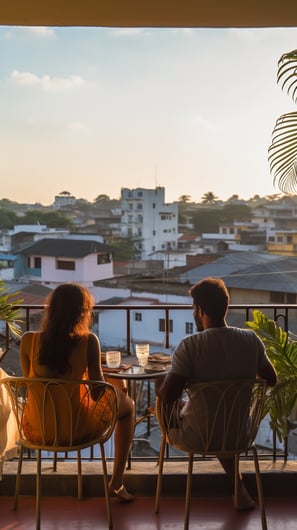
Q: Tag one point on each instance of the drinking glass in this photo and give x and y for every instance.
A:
(142, 353)
(113, 359)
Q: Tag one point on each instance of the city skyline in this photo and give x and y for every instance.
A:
(91, 110)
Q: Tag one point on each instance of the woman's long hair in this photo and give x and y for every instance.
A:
(67, 319)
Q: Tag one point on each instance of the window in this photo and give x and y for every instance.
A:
(279, 239)
(139, 194)
(37, 263)
(291, 298)
(130, 218)
(65, 265)
(189, 328)
(154, 232)
(271, 239)
(162, 325)
(140, 219)
(139, 206)
(28, 262)
(277, 298)
(138, 317)
(130, 205)
(153, 205)
(103, 258)
(289, 240)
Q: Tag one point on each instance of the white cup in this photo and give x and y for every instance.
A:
(113, 359)
(142, 353)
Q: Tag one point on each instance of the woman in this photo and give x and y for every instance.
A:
(65, 348)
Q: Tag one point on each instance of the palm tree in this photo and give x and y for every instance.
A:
(282, 153)
(209, 198)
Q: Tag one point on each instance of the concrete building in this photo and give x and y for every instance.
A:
(54, 261)
(151, 223)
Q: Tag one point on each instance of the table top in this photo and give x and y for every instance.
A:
(131, 370)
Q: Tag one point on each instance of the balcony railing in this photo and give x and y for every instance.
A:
(283, 314)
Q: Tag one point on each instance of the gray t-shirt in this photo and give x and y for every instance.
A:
(213, 354)
(219, 353)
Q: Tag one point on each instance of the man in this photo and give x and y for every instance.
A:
(216, 352)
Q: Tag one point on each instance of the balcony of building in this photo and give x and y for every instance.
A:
(211, 505)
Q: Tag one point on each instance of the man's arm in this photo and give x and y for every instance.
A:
(268, 373)
(171, 388)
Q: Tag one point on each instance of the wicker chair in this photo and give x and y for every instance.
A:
(57, 415)
(228, 418)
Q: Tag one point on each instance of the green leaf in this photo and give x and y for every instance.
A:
(281, 400)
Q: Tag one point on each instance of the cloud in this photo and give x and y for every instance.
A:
(78, 127)
(35, 31)
(46, 82)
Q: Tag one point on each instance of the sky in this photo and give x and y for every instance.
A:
(92, 110)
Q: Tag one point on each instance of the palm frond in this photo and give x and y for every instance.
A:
(287, 73)
(9, 313)
(282, 153)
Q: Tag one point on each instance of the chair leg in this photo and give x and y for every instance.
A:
(18, 479)
(188, 491)
(106, 490)
(236, 476)
(38, 489)
(160, 474)
(79, 479)
(259, 489)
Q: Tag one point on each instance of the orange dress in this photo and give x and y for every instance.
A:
(78, 419)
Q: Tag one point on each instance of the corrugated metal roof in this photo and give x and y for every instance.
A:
(277, 276)
(229, 264)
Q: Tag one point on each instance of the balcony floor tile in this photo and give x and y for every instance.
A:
(67, 513)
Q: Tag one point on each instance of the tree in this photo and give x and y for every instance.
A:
(233, 198)
(282, 153)
(101, 198)
(50, 219)
(8, 218)
(184, 199)
(125, 249)
(209, 198)
(209, 219)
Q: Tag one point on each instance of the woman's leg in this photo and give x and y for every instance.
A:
(123, 436)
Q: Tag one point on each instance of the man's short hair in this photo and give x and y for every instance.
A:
(211, 294)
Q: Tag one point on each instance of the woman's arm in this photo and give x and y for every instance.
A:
(94, 358)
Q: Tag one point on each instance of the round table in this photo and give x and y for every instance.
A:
(132, 374)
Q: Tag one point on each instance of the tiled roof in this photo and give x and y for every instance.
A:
(66, 248)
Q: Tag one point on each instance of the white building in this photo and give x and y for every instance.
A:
(64, 199)
(146, 218)
(54, 261)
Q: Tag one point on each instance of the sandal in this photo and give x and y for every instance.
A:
(122, 494)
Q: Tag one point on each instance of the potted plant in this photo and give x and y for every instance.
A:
(281, 349)
(9, 312)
